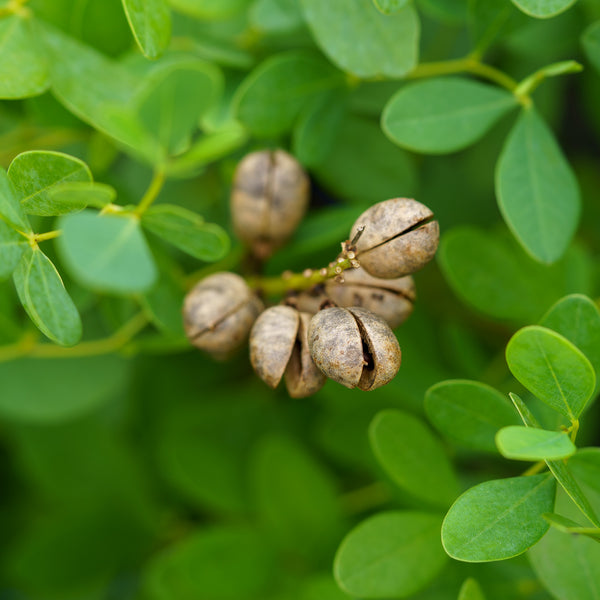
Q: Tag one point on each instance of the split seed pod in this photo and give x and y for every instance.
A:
(218, 313)
(398, 238)
(269, 198)
(354, 347)
(278, 347)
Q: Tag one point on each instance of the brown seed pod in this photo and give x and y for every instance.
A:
(391, 299)
(269, 198)
(278, 346)
(218, 313)
(398, 239)
(354, 347)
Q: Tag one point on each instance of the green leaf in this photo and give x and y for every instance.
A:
(61, 389)
(295, 498)
(24, 66)
(585, 466)
(470, 590)
(210, 9)
(12, 246)
(413, 457)
(528, 443)
(150, 22)
(34, 174)
(489, 19)
(271, 97)
(391, 554)
(220, 562)
(469, 412)
(106, 252)
(11, 211)
(567, 525)
(526, 415)
(359, 39)
(536, 189)
(577, 318)
(543, 9)
(76, 195)
(97, 90)
(498, 519)
(591, 44)
(177, 93)
(552, 368)
(187, 230)
(500, 280)
(568, 565)
(45, 299)
(276, 16)
(443, 114)
(389, 7)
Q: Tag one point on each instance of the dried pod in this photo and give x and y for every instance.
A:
(278, 347)
(219, 312)
(398, 238)
(269, 198)
(391, 299)
(354, 347)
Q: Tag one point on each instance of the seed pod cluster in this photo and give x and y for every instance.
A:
(269, 198)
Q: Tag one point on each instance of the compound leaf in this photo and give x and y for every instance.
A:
(150, 22)
(529, 443)
(45, 299)
(536, 189)
(498, 519)
(389, 555)
(443, 114)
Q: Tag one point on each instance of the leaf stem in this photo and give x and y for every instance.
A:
(156, 185)
(49, 235)
(535, 468)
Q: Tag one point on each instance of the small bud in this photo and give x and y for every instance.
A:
(269, 198)
(398, 239)
(278, 346)
(354, 347)
(218, 313)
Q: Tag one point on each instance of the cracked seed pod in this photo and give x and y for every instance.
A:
(218, 313)
(269, 198)
(354, 347)
(391, 299)
(278, 348)
(398, 239)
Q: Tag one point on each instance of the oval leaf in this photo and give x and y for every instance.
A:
(361, 40)
(469, 412)
(45, 299)
(24, 67)
(35, 173)
(591, 44)
(498, 519)
(106, 252)
(536, 189)
(389, 555)
(543, 9)
(470, 590)
(187, 230)
(528, 443)
(11, 210)
(443, 114)
(12, 246)
(270, 98)
(413, 457)
(552, 368)
(150, 22)
(76, 195)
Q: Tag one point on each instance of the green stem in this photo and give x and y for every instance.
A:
(49, 235)
(288, 281)
(158, 180)
(535, 468)
(574, 429)
(526, 87)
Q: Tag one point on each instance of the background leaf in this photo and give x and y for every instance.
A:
(390, 554)
(11, 210)
(76, 195)
(498, 519)
(106, 252)
(24, 66)
(150, 22)
(552, 368)
(544, 9)
(361, 40)
(389, 7)
(443, 114)
(470, 590)
(537, 192)
(412, 457)
(529, 443)
(34, 174)
(591, 44)
(12, 246)
(45, 299)
(469, 412)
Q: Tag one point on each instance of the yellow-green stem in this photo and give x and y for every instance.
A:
(152, 192)
(535, 468)
(49, 235)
